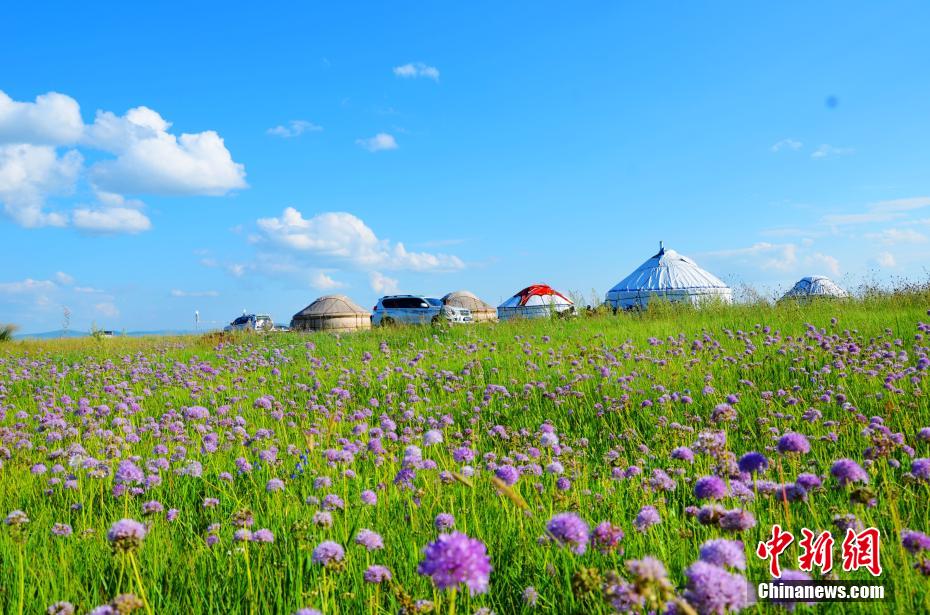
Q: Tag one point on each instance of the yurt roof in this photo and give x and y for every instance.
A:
(816, 285)
(669, 270)
(466, 299)
(531, 295)
(331, 305)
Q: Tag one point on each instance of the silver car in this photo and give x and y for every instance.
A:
(414, 310)
(251, 322)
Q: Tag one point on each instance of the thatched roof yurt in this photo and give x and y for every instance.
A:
(671, 276)
(813, 287)
(332, 313)
(536, 301)
(480, 311)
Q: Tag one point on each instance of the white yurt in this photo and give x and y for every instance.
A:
(332, 313)
(815, 286)
(536, 301)
(480, 311)
(671, 276)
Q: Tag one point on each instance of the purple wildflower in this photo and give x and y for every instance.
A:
(724, 553)
(328, 553)
(454, 559)
(569, 529)
(710, 488)
(793, 443)
(847, 471)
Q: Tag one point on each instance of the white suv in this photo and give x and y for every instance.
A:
(414, 309)
(251, 322)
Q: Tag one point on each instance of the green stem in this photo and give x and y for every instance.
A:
(135, 569)
(22, 581)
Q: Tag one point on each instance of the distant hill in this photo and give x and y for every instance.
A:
(62, 333)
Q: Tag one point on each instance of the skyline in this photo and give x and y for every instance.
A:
(236, 160)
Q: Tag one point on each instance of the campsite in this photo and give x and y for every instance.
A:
(465, 308)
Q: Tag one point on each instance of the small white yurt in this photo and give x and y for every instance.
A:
(480, 311)
(671, 276)
(813, 287)
(332, 313)
(536, 301)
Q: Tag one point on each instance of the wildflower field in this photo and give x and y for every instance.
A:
(589, 465)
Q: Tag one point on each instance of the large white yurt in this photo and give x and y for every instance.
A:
(480, 311)
(536, 301)
(815, 286)
(668, 275)
(332, 313)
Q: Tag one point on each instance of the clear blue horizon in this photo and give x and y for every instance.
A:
(157, 161)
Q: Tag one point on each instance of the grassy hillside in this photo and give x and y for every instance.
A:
(94, 431)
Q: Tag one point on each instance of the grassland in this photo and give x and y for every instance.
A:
(621, 392)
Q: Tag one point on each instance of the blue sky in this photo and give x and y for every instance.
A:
(427, 147)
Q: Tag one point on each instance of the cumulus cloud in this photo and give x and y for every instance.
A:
(342, 237)
(294, 128)
(787, 144)
(111, 218)
(151, 160)
(53, 119)
(378, 143)
(63, 278)
(830, 263)
(29, 174)
(881, 211)
(194, 293)
(27, 286)
(107, 309)
(382, 284)
(895, 236)
(829, 151)
(322, 281)
(414, 70)
(885, 259)
(777, 256)
(148, 159)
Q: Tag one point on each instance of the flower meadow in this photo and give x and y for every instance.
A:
(600, 464)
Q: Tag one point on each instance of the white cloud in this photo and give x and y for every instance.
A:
(777, 256)
(864, 218)
(151, 160)
(294, 128)
(886, 259)
(111, 220)
(53, 119)
(236, 269)
(27, 286)
(826, 151)
(63, 278)
(322, 281)
(378, 143)
(897, 205)
(29, 174)
(194, 293)
(382, 284)
(417, 69)
(787, 144)
(881, 211)
(148, 159)
(894, 236)
(107, 309)
(825, 260)
(341, 236)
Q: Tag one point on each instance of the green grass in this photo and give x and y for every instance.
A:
(449, 370)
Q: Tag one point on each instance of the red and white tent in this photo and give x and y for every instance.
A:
(536, 301)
